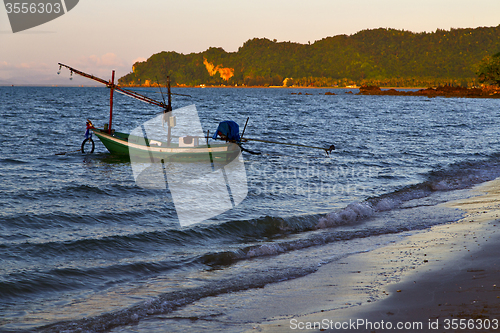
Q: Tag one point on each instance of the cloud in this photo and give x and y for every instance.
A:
(33, 72)
(24, 71)
(140, 59)
(33, 65)
(107, 61)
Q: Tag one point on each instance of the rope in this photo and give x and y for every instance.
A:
(327, 150)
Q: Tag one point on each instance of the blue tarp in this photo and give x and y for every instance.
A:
(229, 129)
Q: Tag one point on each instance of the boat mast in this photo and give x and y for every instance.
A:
(168, 110)
(111, 86)
(169, 93)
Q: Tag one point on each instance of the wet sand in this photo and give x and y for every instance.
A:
(446, 279)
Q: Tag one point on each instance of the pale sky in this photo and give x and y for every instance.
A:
(100, 35)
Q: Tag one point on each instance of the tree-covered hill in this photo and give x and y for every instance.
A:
(384, 57)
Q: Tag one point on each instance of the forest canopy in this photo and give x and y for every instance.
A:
(489, 70)
(382, 57)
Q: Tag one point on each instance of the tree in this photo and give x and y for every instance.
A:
(383, 57)
(489, 70)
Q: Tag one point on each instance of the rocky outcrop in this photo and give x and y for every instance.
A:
(443, 91)
(225, 73)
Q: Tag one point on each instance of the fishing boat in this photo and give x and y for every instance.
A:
(199, 190)
(159, 144)
(125, 144)
(154, 139)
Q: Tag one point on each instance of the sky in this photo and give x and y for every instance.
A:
(98, 36)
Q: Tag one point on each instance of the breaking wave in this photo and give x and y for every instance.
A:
(168, 302)
(457, 176)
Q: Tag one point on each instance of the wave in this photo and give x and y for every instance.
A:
(33, 221)
(75, 191)
(270, 233)
(20, 284)
(243, 231)
(168, 302)
(12, 161)
(455, 177)
(225, 258)
(17, 284)
(239, 240)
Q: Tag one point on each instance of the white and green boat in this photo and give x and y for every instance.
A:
(154, 139)
(157, 140)
(125, 144)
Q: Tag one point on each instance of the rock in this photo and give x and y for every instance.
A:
(369, 90)
(443, 91)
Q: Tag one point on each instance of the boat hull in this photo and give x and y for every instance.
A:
(123, 144)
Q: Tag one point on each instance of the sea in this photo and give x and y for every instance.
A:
(84, 248)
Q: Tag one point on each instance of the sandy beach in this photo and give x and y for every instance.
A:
(445, 280)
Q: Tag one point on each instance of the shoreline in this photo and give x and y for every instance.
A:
(487, 92)
(448, 272)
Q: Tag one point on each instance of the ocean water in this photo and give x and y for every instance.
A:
(83, 248)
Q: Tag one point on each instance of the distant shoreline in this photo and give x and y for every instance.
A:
(440, 91)
(197, 87)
